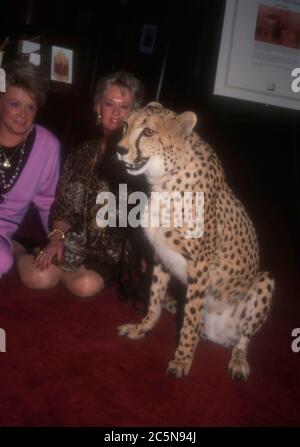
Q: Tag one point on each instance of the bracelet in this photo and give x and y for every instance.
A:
(55, 230)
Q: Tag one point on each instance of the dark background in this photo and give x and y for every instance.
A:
(257, 144)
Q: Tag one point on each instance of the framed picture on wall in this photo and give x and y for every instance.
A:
(61, 64)
(148, 39)
(30, 50)
(259, 50)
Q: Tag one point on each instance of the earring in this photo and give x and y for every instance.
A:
(99, 119)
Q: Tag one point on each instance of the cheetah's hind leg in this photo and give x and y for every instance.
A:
(257, 306)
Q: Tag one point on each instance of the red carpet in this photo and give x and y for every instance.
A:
(65, 365)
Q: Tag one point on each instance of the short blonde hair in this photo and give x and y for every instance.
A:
(125, 81)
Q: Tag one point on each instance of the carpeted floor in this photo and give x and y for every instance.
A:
(65, 365)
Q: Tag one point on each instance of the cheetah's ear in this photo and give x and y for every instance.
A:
(184, 124)
(154, 104)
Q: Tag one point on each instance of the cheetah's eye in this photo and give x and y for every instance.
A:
(147, 132)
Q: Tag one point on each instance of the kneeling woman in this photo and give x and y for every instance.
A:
(29, 156)
(81, 255)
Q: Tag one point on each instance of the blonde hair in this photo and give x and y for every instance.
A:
(125, 81)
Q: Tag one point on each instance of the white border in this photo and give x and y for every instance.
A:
(237, 75)
(69, 56)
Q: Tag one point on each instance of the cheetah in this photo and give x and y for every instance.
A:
(227, 299)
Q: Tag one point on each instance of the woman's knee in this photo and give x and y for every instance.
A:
(37, 279)
(85, 284)
(6, 259)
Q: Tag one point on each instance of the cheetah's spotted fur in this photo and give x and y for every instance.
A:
(227, 297)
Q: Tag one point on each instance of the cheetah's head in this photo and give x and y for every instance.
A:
(153, 140)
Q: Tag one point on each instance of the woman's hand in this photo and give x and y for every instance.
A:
(45, 256)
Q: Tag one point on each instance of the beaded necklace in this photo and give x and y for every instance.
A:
(7, 178)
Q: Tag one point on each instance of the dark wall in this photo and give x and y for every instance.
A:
(106, 37)
(257, 144)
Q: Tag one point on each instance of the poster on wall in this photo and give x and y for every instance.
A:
(30, 51)
(148, 39)
(260, 51)
(61, 64)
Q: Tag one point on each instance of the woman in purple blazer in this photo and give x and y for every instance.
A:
(29, 156)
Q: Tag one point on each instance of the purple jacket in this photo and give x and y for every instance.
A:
(37, 183)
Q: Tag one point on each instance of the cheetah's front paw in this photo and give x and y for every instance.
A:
(133, 331)
(239, 369)
(178, 368)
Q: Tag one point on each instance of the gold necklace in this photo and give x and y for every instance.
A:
(7, 183)
(6, 163)
(7, 178)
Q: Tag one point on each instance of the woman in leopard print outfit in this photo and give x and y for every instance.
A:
(81, 255)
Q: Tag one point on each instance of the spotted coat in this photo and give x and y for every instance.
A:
(227, 297)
